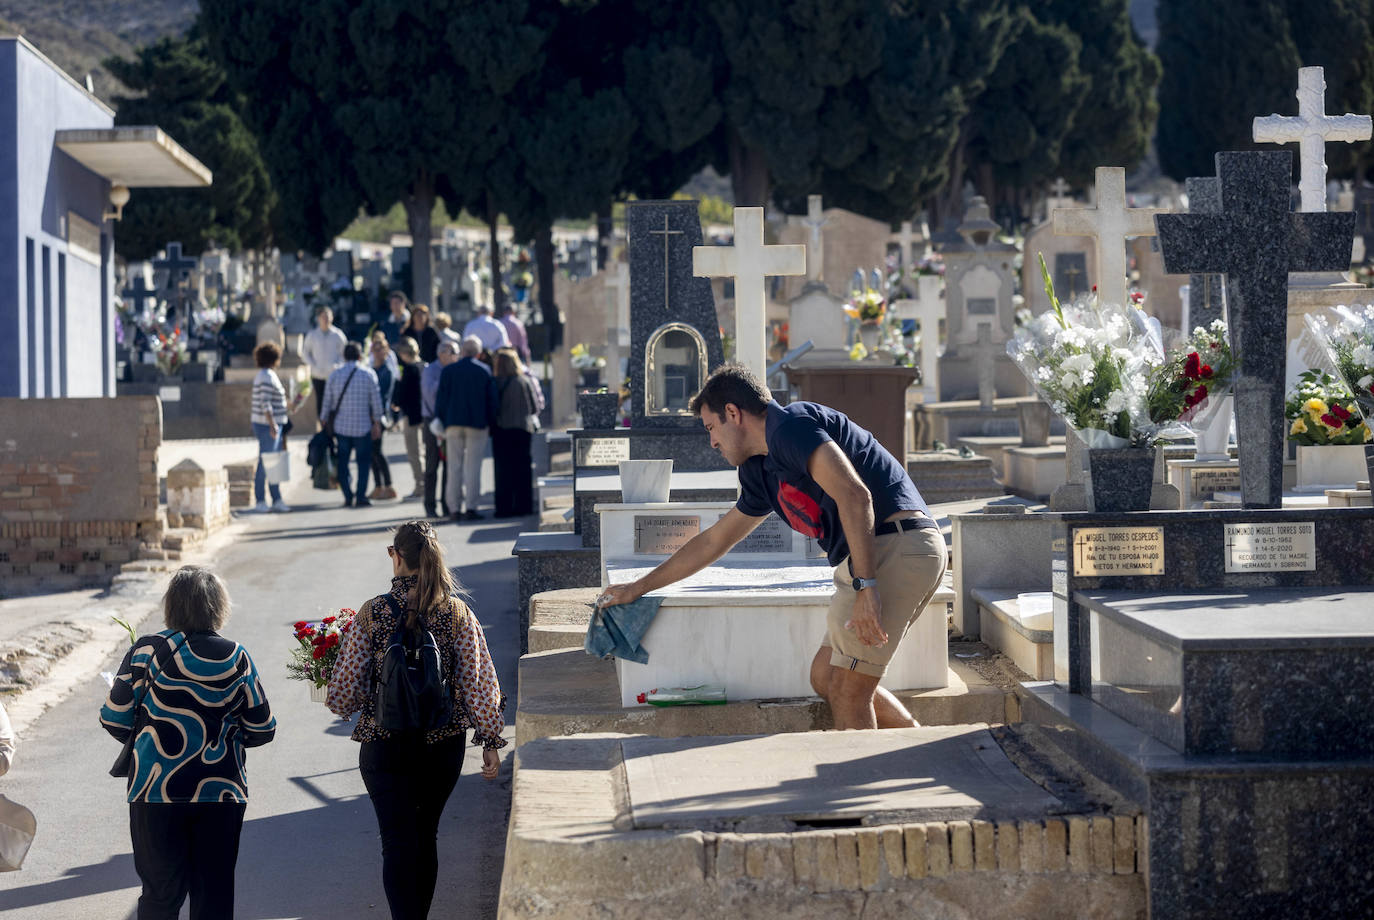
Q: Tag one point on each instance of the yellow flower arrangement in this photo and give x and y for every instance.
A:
(1315, 407)
(1298, 427)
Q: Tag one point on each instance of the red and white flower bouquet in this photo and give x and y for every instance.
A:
(317, 648)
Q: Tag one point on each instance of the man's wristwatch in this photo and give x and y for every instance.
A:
(861, 583)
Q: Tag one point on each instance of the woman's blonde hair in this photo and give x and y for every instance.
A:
(508, 363)
(419, 548)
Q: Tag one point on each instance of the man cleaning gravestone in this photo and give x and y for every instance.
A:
(830, 480)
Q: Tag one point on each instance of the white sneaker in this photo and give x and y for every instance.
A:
(261, 508)
(281, 507)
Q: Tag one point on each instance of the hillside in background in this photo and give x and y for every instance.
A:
(78, 34)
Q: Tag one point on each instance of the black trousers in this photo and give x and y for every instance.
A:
(381, 469)
(409, 783)
(435, 479)
(510, 457)
(317, 385)
(186, 848)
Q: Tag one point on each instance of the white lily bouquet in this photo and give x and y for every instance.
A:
(1346, 334)
(1091, 362)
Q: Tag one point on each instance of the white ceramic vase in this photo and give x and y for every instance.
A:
(317, 694)
(1214, 438)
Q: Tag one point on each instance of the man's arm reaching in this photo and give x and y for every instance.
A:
(695, 555)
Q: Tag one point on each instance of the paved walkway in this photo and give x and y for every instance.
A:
(310, 846)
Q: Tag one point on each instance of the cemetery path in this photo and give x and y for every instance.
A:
(310, 847)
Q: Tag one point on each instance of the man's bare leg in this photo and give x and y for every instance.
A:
(888, 711)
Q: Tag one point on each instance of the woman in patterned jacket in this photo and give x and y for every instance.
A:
(409, 776)
(202, 704)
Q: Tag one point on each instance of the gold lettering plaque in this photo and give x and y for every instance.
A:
(664, 534)
(1118, 551)
(602, 451)
(1206, 482)
(1278, 547)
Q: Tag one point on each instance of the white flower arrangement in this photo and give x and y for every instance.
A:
(1091, 362)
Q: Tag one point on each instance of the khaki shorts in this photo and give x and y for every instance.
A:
(911, 564)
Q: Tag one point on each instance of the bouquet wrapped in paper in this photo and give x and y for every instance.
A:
(317, 647)
(1346, 335)
(1091, 362)
(1188, 388)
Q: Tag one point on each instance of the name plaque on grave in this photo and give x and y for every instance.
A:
(1271, 547)
(772, 536)
(1118, 551)
(1219, 480)
(664, 534)
(602, 451)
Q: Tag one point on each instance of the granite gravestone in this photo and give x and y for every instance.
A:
(1364, 209)
(1206, 292)
(1255, 240)
(668, 305)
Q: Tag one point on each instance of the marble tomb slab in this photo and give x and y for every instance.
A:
(932, 773)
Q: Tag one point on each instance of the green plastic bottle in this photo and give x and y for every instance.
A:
(701, 695)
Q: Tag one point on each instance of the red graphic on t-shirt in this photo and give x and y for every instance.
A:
(801, 510)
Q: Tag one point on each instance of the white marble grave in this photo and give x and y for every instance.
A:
(752, 621)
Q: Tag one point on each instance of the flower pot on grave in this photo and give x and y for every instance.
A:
(868, 335)
(1213, 435)
(591, 377)
(598, 409)
(645, 480)
(1120, 478)
(1330, 466)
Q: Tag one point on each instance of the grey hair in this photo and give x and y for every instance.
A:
(448, 347)
(196, 600)
(471, 345)
(485, 308)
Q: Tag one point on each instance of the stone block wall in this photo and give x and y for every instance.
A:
(197, 497)
(78, 489)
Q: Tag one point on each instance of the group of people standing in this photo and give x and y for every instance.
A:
(448, 392)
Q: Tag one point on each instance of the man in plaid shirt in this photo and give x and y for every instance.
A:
(353, 404)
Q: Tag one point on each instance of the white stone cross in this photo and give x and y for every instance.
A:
(927, 312)
(905, 239)
(749, 261)
(1060, 188)
(985, 354)
(1111, 222)
(1311, 130)
(814, 221)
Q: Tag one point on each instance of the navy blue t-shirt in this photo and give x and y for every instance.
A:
(778, 481)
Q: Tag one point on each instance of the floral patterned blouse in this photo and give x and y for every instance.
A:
(462, 647)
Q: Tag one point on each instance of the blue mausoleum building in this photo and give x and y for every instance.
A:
(65, 174)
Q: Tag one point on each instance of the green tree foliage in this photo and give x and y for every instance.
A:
(1224, 63)
(395, 100)
(1337, 35)
(1018, 126)
(1248, 54)
(185, 94)
(1114, 122)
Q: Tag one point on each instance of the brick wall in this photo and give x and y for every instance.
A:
(78, 489)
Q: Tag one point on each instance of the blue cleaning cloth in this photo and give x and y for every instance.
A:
(615, 632)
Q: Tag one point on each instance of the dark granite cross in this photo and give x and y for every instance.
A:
(1255, 240)
(1204, 289)
(177, 266)
(139, 292)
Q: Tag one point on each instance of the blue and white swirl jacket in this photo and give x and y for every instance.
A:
(206, 704)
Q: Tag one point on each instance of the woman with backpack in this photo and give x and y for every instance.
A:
(415, 665)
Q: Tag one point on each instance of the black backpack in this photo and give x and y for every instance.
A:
(413, 694)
